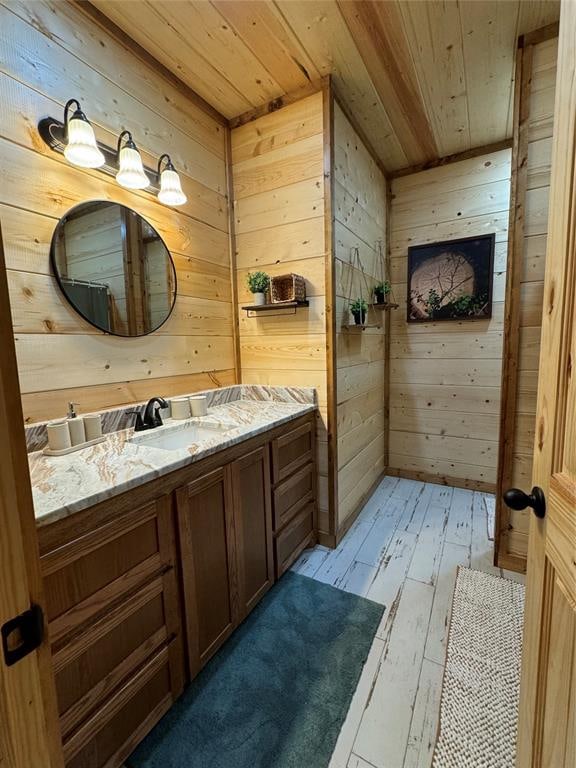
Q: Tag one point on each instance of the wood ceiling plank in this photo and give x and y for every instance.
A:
(434, 35)
(378, 31)
(271, 41)
(422, 80)
(489, 31)
(170, 43)
(209, 33)
(323, 33)
(537, 14)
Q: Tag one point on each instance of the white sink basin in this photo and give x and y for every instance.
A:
(179, 436)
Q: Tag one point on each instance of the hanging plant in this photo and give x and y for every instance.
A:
(382, 291)
(359, 308)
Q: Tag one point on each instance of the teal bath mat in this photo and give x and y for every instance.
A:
(278, 692)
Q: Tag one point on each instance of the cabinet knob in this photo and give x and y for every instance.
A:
(517, 499)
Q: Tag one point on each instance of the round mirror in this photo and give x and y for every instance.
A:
(114, 268)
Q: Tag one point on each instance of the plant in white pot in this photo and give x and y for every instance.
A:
(258, 283)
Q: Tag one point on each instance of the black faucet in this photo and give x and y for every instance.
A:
(151, 418)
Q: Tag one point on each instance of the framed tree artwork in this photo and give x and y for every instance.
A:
(451, 280)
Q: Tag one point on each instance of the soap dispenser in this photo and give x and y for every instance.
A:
(76, 426)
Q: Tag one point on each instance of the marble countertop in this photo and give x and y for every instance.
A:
(65, 485)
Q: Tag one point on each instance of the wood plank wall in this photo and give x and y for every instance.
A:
(277, 167)
(538, 101)
(360, 222)
(445, 376)
(50, 52)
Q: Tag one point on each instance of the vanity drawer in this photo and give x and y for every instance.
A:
(292, 450)
(295, 537)
(97, 662)
(107, 738)
(291, 495)
(85, 576)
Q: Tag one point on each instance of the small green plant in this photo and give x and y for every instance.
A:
(381, 291)
(258, 282)
(357, 306)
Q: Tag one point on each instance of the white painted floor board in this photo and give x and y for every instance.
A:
(311, 560)
(428, 551)
(403, 552)
(424, 726)
(376, 543)
(383, 734)
(357, 762)
(343, 749)
(459, 530)
(453, 555)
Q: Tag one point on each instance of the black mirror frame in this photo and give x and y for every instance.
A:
(56, 273)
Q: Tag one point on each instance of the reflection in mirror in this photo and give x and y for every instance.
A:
(114, 268)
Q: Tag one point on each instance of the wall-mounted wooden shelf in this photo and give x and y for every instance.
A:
(354, 327)
(253, 309)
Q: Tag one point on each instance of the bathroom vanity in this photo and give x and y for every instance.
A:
(159, 555)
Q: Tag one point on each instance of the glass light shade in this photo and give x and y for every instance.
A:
(81, 148)
(170, 188)
(131, 171)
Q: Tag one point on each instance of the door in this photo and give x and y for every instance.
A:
(253, 524)
(208, 544)
(547, 722)
(29, 731)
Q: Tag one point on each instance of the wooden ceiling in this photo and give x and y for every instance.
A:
(424, 79)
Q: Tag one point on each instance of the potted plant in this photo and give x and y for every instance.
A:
(359, 309)
(258, 283)
(381, 292)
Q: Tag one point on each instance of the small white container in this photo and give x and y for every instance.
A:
(259, 299)
(199, 405)
(76, 429)
(92, 426)
(180, 408)
(58, 435)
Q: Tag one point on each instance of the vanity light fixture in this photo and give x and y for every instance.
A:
(81, 148)
(75, 139)
(170, 187)
(130, 168)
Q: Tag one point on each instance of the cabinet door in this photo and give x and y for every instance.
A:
(253, 524)
(207, 541)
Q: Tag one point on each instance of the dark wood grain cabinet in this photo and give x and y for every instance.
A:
(207, 546)
(164, 573)
(114, 625)
(225, 526)
(252, 493)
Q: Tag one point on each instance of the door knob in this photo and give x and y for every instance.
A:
(517, 499)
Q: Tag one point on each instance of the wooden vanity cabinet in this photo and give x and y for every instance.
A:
(166, 570)
(225, 526)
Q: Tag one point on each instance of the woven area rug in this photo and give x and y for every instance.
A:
(479, 705)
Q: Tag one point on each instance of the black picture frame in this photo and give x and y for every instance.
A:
(473, 258)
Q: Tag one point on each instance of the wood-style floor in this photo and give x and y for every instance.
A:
(403, 552)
